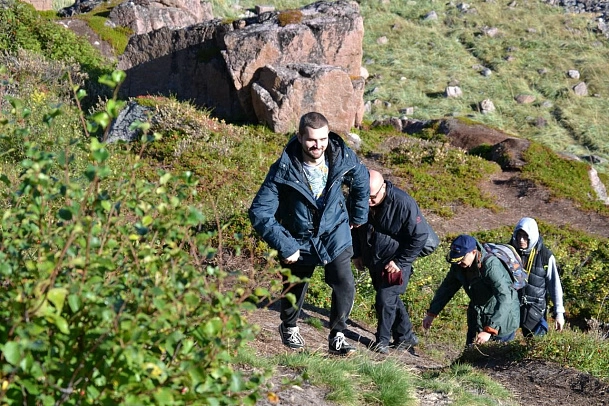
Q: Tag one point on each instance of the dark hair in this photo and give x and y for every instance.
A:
(312, 120)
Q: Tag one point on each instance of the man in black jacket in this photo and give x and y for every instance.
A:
(388, 245)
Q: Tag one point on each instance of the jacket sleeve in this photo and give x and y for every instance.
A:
(445, 292)
(411, 236)
(553, 286)
(359, 193)
(505, 296)
(262, 216)
(356, 236)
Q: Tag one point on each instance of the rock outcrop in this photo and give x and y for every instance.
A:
(281, 95)
(215, 65)
(507, 150)
(142, 16)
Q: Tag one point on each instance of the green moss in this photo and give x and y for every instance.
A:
(117, 37)
(289, 17)
(483, 151)
(565, 178)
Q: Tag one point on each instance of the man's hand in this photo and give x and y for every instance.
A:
(391, 267)
(559, 322)
(352, 226)
(427, 321)
(292, 258)
(358, 263)
(482, 337)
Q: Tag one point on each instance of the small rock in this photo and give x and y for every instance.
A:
(354, 141)
(431, 16)
(581, 89)
(490, 31)
(264, 9)
(525, 98)
(573, 74)
(453, 91)
(463, 7)
(487, 106)
(363, 72)
(409, 111)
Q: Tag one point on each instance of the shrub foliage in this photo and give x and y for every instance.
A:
(110, 296)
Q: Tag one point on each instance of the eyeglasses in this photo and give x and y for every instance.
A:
(374, 196)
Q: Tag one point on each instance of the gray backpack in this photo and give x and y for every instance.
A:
(511, 261)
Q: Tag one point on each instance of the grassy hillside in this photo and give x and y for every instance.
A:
(421, 57)
(534, 47)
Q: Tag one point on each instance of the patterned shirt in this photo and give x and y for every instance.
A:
(317, 176)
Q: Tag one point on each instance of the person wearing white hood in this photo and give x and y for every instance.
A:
(544, 280)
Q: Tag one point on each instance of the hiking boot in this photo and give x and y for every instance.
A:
(290, 337)
(380, 348)
(338, 345)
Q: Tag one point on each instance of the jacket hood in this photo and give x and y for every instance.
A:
(529, 226)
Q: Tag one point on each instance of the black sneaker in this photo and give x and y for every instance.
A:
(380, 348)
(338, 345)
(405, 345)
(290, 337)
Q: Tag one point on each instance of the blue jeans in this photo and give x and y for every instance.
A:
(540, 329)
(505, 338)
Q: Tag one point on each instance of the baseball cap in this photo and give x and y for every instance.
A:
(460, 246)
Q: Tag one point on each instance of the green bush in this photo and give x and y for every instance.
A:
(21, 27)
(110, 295)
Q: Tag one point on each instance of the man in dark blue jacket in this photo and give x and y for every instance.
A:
(301, 211)
(388, 245)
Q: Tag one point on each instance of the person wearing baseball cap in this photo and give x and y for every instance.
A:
(493, 313)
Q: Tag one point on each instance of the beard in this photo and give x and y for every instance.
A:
(313, 153)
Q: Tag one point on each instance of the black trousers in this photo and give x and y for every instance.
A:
(393, 319)
(338, 276)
